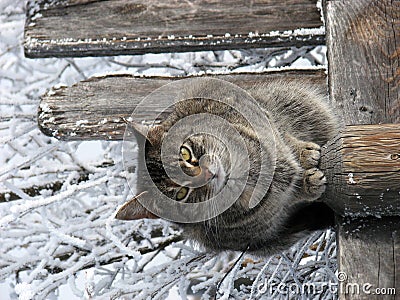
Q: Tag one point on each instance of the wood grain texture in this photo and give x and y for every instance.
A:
(363, 38)
(93, 109)
(362, 166)
(120, 27)
(363, 57)
(369, 255)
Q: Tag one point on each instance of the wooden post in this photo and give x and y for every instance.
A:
(363, 57)
(362, 167)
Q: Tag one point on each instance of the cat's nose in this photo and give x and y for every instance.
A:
(208, 175)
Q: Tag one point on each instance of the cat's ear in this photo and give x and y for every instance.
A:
(152, 133)
(133, 210)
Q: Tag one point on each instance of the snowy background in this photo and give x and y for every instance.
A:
(58, 238)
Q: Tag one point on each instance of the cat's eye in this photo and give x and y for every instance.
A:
(182, 193)
(185, 153)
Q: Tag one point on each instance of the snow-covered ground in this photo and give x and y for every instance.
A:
(58, 238)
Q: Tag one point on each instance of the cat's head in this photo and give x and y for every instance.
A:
(191, 170)
(189, 165)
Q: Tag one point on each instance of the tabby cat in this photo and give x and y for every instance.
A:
(301, 122)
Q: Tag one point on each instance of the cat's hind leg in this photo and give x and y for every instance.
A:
(308, 153)
(314, 183)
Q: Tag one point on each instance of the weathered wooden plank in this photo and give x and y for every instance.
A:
(93, 109)
(370, 247)
(362, 166)
(120, 27)
(363, 37)
(363, 57)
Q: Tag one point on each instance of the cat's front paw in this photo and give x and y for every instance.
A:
(314, 183)
(310, 154)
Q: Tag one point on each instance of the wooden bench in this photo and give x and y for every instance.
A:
(362, 164)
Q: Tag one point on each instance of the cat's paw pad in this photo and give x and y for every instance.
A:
(310, 154)
(314, 182)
